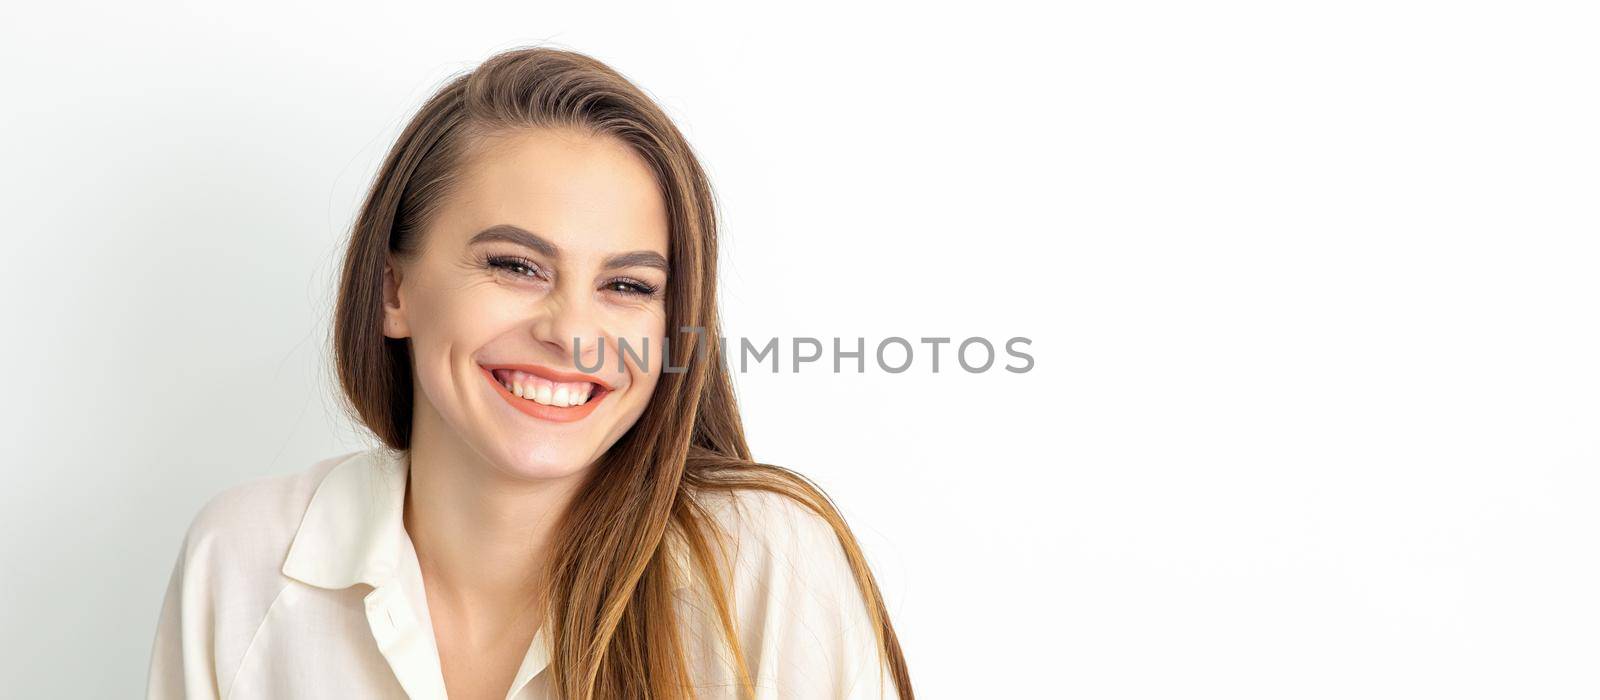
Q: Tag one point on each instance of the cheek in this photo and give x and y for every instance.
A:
(637, 331)
(459, 316)
(447, 325)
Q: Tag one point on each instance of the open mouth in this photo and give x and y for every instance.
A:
(546, 392)
(549, 395)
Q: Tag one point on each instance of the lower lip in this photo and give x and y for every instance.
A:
(538, 410)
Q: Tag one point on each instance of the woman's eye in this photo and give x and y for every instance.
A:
(631, 286)
(520, 267)
(528, 269)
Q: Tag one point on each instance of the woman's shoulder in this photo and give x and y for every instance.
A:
(769, 519)
(227, 577)
(803, 620)
(776, 537)
(251, 523)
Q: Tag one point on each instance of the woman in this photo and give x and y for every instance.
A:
(560, 506)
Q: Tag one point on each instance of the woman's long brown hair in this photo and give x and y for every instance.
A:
(614, 630)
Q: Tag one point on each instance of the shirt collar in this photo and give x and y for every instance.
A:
(353, 531)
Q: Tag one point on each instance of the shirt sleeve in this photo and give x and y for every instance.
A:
(181, 662)
(804, 618)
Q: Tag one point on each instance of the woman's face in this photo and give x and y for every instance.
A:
(551, 237)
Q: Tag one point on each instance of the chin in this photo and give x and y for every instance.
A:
(540, 462)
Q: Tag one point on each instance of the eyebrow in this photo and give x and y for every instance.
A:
(523, 237)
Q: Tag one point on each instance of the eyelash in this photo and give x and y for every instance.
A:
(509, 263)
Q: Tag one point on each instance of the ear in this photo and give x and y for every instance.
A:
(394, 315)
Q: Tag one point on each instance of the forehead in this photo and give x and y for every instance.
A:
(587, 194)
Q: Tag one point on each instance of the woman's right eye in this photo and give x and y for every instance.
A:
(520, 267)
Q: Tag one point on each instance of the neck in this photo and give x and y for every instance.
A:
(482, 535)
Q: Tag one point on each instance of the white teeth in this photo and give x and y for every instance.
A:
(544, 391)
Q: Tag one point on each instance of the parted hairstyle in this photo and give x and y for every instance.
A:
(614, 630)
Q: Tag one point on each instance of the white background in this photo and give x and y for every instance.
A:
(1311, 286)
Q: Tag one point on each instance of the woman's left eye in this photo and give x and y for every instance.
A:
(631, 286)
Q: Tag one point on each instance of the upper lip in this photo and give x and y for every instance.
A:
(551, 374)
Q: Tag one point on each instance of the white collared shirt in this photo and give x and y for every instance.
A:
(267, 599)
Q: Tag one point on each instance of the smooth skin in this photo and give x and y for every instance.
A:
(487, 482)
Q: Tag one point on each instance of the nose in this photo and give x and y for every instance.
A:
(571, 319)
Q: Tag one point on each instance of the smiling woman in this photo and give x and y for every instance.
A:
(530, 526)
(479, 291)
